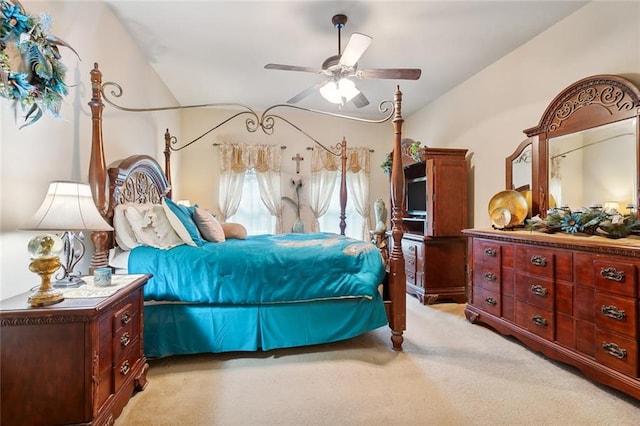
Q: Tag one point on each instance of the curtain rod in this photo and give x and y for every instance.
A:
(218, 144)
(310, 148)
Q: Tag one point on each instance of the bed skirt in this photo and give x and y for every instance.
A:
(173, 329)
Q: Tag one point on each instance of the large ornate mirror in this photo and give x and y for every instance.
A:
(585, 150)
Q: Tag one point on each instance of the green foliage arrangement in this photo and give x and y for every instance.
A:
(413, 151)
(31, 73)
(590, 221)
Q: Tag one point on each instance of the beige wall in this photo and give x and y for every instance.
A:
(488, 112)
(199, 176)
(58, 149)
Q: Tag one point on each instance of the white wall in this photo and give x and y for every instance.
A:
(199, 176)
(488, 113)
(54, 149)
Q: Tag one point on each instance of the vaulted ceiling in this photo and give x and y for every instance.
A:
(215, 51)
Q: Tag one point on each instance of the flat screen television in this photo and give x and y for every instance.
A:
(416, 197)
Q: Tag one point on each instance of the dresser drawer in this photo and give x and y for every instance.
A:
(487, 276)
(487, 300)
(615, 277)
(617, 352)
(534, 290)
(535, 319)
(535, 261)
(487, 252)
(615, 313)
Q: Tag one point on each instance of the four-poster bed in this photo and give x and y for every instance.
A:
(139, 179)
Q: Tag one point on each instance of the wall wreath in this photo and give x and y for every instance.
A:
(31, 73)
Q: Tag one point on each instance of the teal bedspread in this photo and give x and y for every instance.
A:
(263, 269)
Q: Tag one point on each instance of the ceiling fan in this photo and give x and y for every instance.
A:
(338, 70)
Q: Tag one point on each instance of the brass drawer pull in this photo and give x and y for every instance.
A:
(491, 301)
(538, 260)
(612, 274)
(614, 350)
(613, 312)
(125, 318)
(125, 368)
(539, 321)
(490, 276)
(125, 339)
(538, 290)
(490, 251)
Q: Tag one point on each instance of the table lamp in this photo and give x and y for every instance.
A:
(68, 207)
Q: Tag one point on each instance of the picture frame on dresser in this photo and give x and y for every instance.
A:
(572, 297)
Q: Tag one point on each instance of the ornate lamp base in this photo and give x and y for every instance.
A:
(45, 295)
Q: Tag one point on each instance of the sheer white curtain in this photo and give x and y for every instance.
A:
(358, 185)
(265, 161)
(267, 167)
(324, 170)
(233, 165)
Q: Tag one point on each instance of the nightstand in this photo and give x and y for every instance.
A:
(76, 362)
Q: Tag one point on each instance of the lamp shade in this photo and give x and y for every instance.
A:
(338, 92)
(68, 206)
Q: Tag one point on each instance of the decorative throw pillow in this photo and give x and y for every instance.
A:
(184, 215)
(208, 225)
(234, 230)
(151, 226)
(178, 226)
(124, 235)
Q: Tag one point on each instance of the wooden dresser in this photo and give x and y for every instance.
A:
(573, 298)
(76, 362)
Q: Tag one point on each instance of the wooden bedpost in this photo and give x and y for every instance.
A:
(98, 171)
(167, 159)
(343, 185)
(397, 278)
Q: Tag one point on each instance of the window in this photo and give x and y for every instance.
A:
(252, 212)
(330, 222)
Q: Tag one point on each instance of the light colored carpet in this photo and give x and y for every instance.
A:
(451, 372)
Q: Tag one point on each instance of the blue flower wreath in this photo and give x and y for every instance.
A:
(36, 82)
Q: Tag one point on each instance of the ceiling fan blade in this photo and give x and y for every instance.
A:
(306, 92)
(390, 73)
(357, 45)
(292, 68)
(360, 100)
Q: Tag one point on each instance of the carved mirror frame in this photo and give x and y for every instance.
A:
(591, 102)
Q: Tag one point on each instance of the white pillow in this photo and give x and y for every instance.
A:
(125, 237)
(177, 225)
(208, 225)
(151, 226)
(118, 258)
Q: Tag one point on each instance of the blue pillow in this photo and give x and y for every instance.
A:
(185, 215)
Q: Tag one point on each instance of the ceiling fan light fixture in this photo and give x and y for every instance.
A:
(339, 92)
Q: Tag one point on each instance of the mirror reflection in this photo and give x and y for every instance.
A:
(521, 170)
(595, 167)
